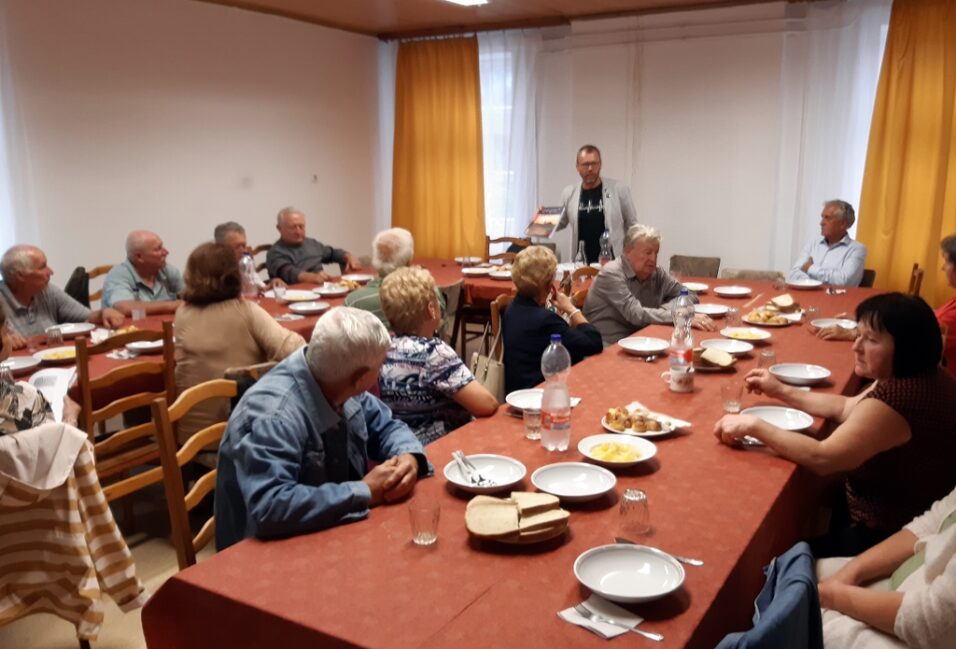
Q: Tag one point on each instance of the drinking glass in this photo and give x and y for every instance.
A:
(423, 513)
(731, 394)
(279, 293)
(811, 313)
(733, 317)
(779, 284)
(767, 358)
(54, 337)
(635, 517)
(532, 423)
(138, 314)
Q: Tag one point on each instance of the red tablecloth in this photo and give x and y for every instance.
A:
(366, 585)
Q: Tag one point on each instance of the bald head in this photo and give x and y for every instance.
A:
(25, 270)
(146, 252)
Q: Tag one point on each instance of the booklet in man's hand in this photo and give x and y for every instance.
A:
(545, 220)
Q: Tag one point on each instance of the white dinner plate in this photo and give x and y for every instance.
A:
(298, 295)
(732, 347)
(746, 334)
(500, 274)
(73, 329)
(823, 323)
(800, 373)
(361, 278)
(696, 287)
(573, 482)
(309, 308)
(475, 270)
(531, 398)
(804, 284)
(643, 346)
(468, 260)
(145, 346)
(628, 573)
(758, 323)
(712, 310)
(20, 364)
(667, 427)
(732, 291)
(330, 290)
(66, 354)
(645, 449)
(781, 417)
(504, 471)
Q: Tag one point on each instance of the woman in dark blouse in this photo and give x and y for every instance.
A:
(527, 324)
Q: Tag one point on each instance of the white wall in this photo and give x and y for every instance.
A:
(177, 115)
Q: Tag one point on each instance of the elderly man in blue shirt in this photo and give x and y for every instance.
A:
(143, 281)
(294, 457)
(833, 258)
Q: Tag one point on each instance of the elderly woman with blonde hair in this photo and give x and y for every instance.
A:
(528, 324)
(423, 380)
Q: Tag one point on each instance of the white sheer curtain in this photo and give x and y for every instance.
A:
(829, 75)
(507, 67)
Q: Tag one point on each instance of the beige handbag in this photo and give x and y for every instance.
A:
(488, 370)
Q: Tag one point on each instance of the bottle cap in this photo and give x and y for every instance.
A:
(555, 339)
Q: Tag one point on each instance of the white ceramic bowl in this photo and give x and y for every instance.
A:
(732, 291)
(696, 287)
(745, 334)
(573, 481)
(628, 573)
(643, 346)
(800, 373)
(713, 310)
(804, 284)
(645, 449)
(361, 278)
(506, 472)
(729, 345)
(309, 308)
(298, 295)
(781, 417)
(20, 364)
(823, 323)
(328, 290)
(73, 329)
(145, 346)
(475, 271)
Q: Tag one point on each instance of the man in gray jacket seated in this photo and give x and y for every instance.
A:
(294, 457)
(296, 258)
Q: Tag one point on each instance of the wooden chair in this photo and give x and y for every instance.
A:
(255, 251)
(97, 272)
(245, 377)
(694, 266)
(178, 501)
(916, 280)
(498, 307)
(869, 278)
(509, 256)
(743, 273)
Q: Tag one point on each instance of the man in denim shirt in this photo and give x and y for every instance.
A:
(294, 457)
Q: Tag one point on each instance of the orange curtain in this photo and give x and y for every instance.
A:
(909, 187)
(437, 182)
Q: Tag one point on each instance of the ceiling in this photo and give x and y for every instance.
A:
(388, 19)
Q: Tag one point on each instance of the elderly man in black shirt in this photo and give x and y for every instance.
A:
(296, 258)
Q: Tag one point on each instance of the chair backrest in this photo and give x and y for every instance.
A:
(452, 294)
(695, 266)
(514, 241)
(743, 273)
(264, 247)
(245, 377)
(579, 296)
(869, 277)
(124, 388)
(97, 272)
(178, 501)
(582, 273)
(498, 307)
(916, 280)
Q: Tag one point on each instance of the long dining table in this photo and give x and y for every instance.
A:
(367, 585)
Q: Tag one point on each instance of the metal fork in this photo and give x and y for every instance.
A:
(470, 472)
(585, 612)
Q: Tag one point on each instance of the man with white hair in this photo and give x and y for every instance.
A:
(32, 304)
(294, 457)
(296, 258)
(633, 291)
(233, 236)
(391, 249)
(832, 258)
(143, 280)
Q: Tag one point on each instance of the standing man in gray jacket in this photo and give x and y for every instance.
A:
(594, 205)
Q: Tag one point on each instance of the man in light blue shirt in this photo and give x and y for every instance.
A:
(294, 457)
(144, 280)
(833, 258)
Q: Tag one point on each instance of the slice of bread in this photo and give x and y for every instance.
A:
(716, 358)
(532, 502)
(785, 303)
(544, 521)
(491, 518)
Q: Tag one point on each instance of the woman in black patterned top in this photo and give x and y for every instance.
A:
(21, 405)
(896, 440)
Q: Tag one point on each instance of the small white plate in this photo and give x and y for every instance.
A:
(361, 278)
(329, 290)
(732, 347)
(643, 346)
(531, 398)
(309, 308)
(781, 417)
(800, 373)
(500, 274)
(506, 472)
(145, 346)
(713, 310)
(732, 291)
(645, 449)
(823, 323)
(68, 351)
(298, 295)
(628, 573)
(573, 482)
(696, 287)
(73, 329)
(468, 260)
(20, 364)
(667, 427)
(804, 284)
(745, 333)
(475, 270)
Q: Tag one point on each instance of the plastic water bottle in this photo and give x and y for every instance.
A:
(681, 353)
(580, 259)
(247, 271)
(606, 254)
(555, 402)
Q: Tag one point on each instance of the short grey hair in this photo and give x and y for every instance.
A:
(16, 260)
(136, 241)
(223, 229)
(344, 340)
(287, 211)
(392, 249)
(640, 232)
(844, 210)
